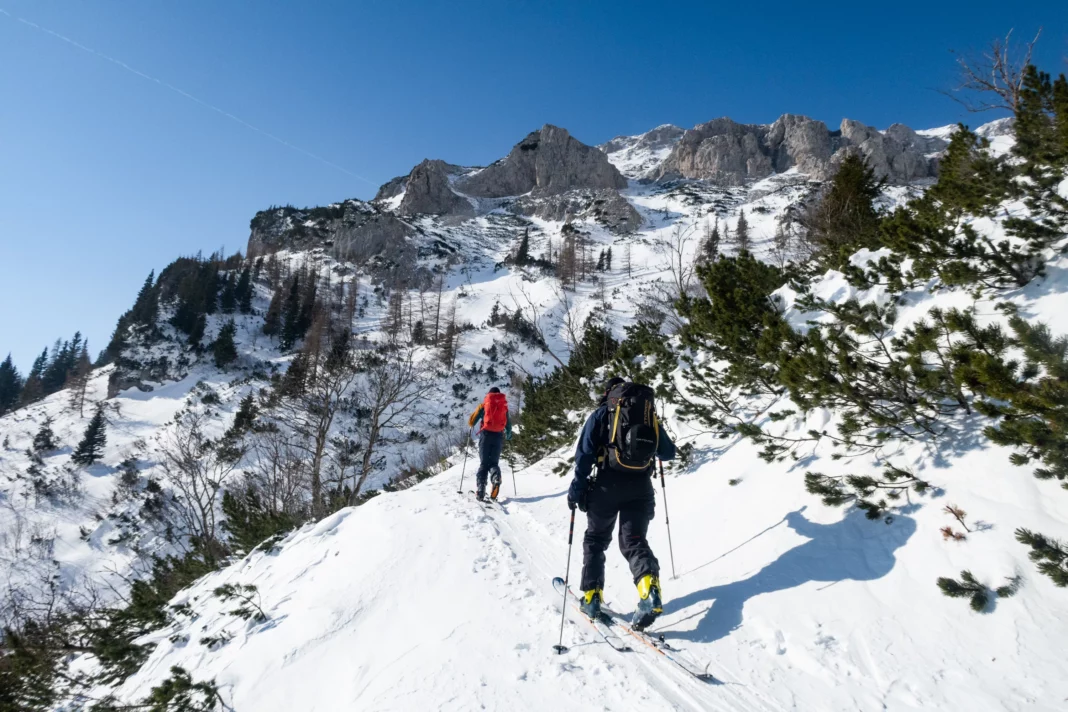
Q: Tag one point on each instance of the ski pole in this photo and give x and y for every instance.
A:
(511, 466)
(667, 520)
(560, 648)
(464, 468)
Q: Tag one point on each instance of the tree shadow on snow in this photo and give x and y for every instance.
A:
(854, 549)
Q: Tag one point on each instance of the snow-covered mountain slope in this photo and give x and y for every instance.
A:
(635, 156)
(421, 599)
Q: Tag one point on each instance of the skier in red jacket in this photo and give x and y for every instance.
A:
(496, 428)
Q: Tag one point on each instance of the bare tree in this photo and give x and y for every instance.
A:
(680, 260)
(993, 79)
(437, 309)
(198, 468)
(279, 471)
(569, 319)
(781, 246)
(351, 299)
(450, 340)
(310, 407)
(626, 260)
(516, 381)
(389, 395)
(534, 315)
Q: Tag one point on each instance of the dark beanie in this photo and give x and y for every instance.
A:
(495, 389)
(613, 382)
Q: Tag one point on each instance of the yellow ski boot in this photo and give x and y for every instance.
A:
(649, 603)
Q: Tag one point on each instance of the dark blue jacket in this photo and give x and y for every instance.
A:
(595, 436)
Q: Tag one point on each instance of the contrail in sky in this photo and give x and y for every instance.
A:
(187, 95)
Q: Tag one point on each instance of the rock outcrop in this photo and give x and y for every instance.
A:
(606, 206)
(354, 230)
(548, 161)
(428, 192)
(728, 153)
(391, 188)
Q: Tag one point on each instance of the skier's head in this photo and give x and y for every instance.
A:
(495, 389)
(612, 383)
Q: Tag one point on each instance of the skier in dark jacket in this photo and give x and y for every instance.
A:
(607, 495)
(496, 428)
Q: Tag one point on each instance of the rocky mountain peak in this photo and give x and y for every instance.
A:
(428, 191)
(548, 161)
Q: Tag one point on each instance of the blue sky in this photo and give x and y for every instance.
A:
(105, 175)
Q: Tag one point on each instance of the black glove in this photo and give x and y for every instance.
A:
(576, 495)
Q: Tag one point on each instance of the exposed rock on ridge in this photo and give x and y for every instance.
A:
(726, 152)
(606, 206)
(547, 162)
(427, 191)
(354, 230)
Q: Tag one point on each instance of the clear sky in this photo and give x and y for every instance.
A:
(106, 174)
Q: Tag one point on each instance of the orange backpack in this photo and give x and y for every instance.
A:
(495, 415)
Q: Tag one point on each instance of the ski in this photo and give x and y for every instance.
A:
(655, 643)
(603, 625)
(488, 503)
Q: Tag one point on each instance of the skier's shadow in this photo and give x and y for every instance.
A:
(854, 549)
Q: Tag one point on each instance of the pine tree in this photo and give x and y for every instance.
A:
(608, 259)
(394, 318)
(33, 389)
(246, 414)
(272, 320)
(146, 307)
(419, 333)
(1060, 116)
(741, 232)
(291, 315)
(1036, 136)
(90, 449)
(309, 305)
(710, 245)
(45, 439)
(78, 380)
(600, 261)
(228, 296)
(10, 385)
(845, 219)
(200, 325)
(61, 362)
(522, 253)
(223, 348)
(117, 342)
(244, 290)
(450, 342)
(979, 594)
(1050, 555)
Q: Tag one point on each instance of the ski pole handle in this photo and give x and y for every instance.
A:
(571, 529)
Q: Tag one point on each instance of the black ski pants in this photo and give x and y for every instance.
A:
(490, 445)
(631, 499)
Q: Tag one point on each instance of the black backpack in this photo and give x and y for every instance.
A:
(633, 431)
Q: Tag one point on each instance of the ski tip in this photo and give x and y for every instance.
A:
(557, 581)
